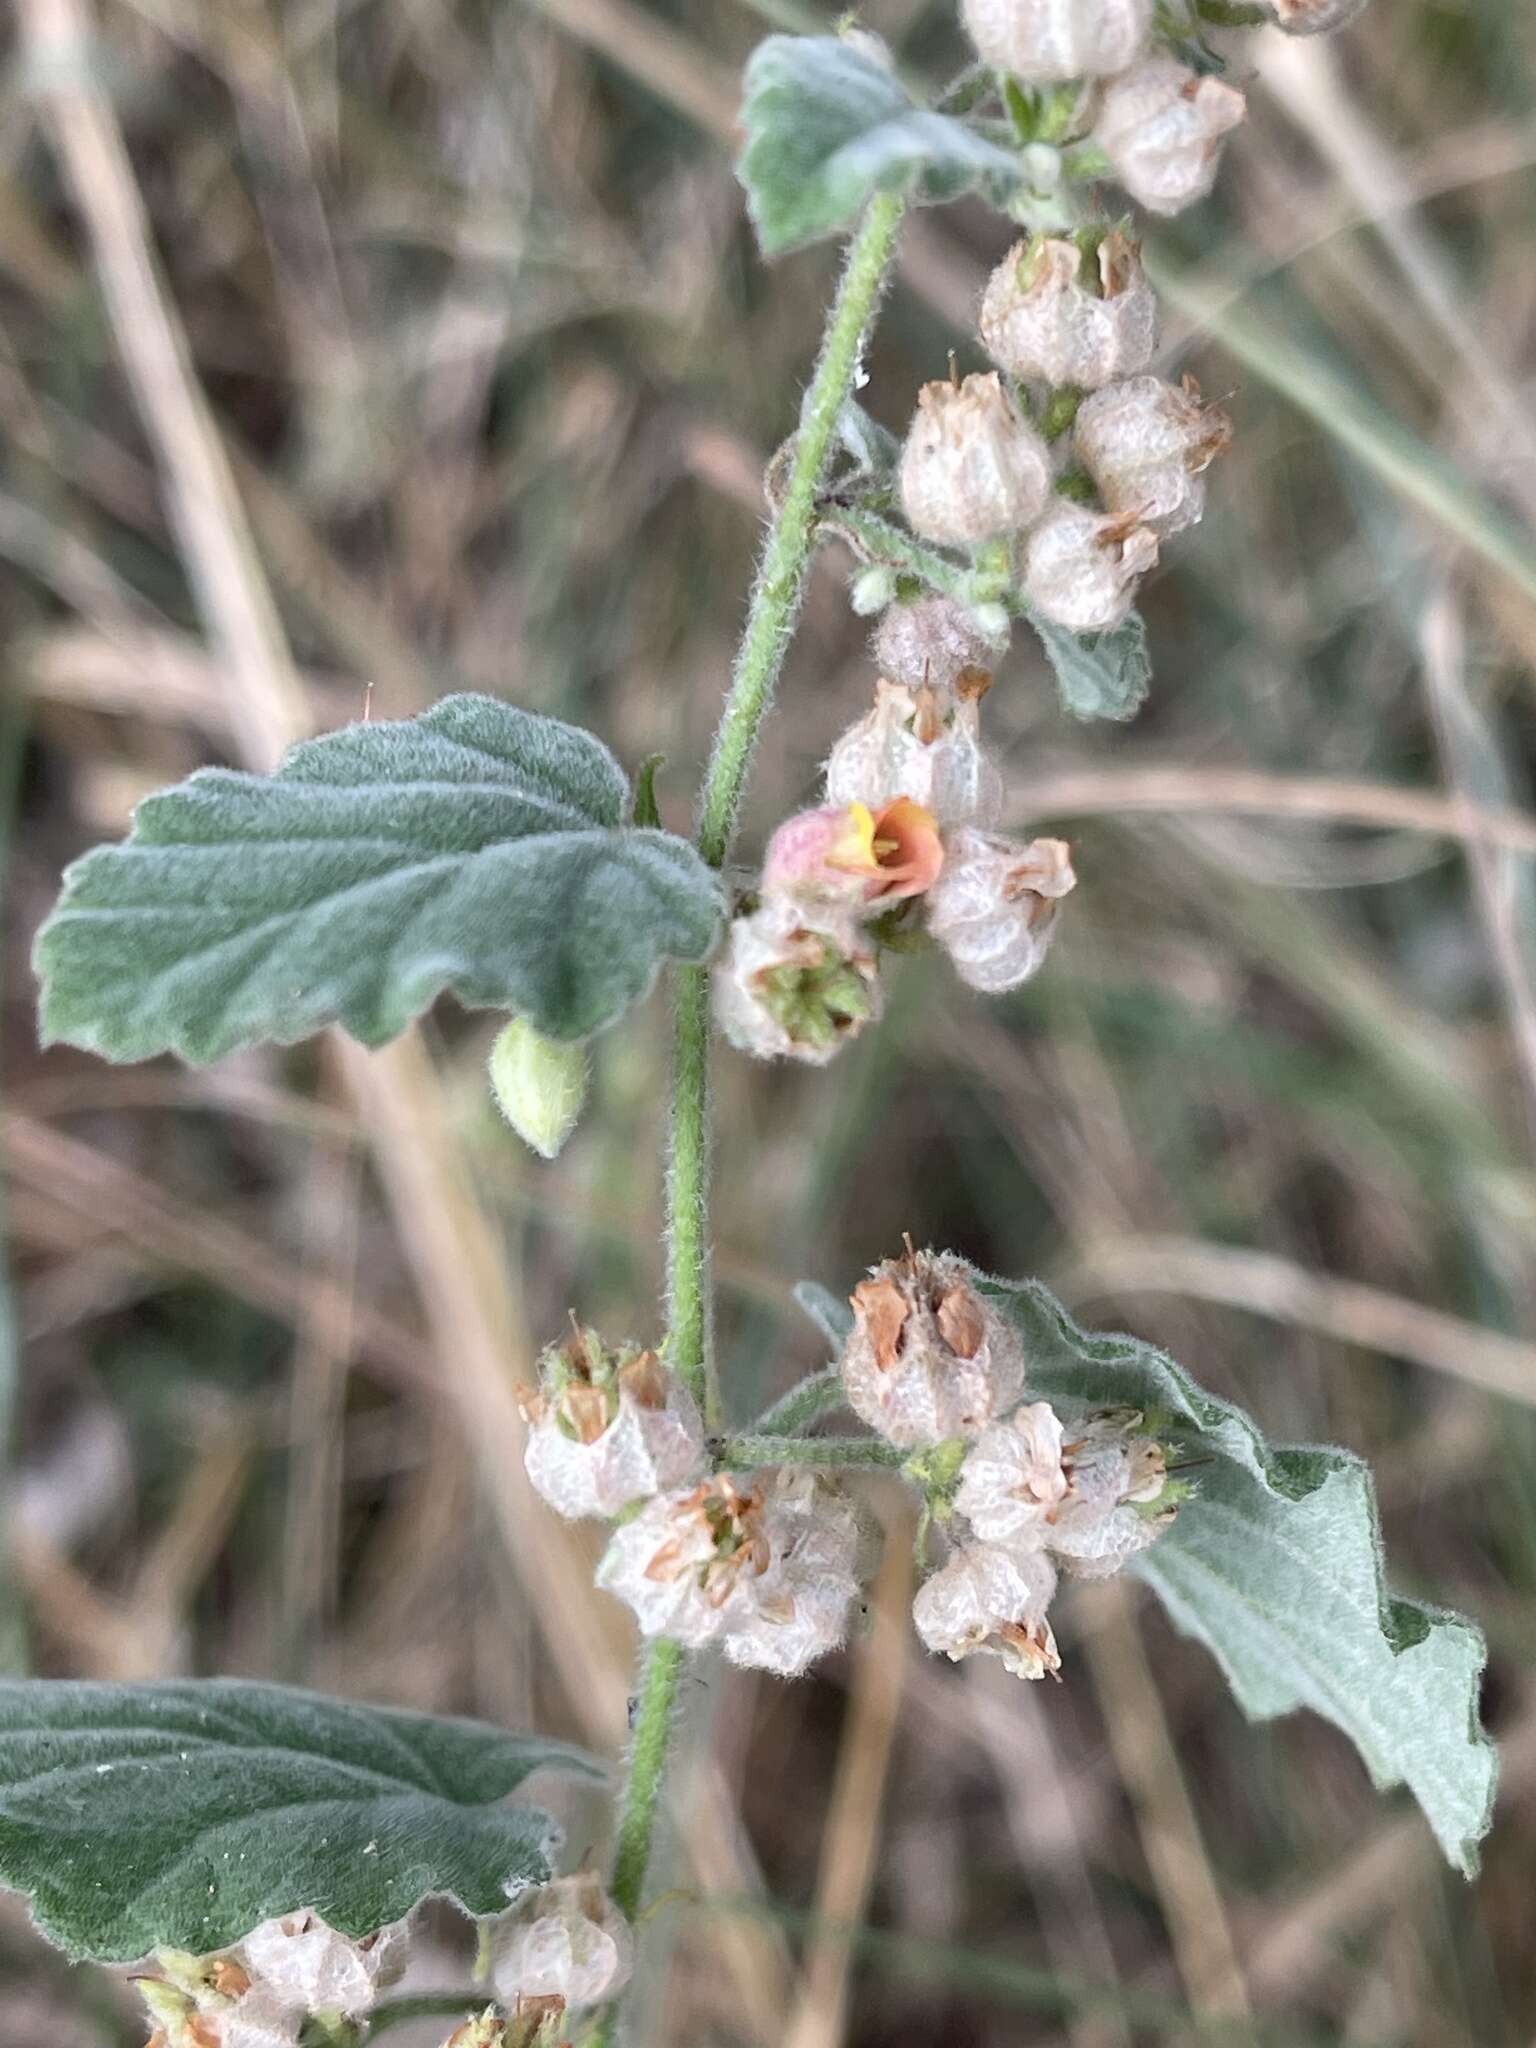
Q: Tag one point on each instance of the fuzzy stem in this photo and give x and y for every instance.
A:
(770, 619)
(806, 1402)
(781, 576)
(743, 1453)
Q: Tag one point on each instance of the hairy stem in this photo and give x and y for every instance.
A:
(770, 620)
(806, 1402)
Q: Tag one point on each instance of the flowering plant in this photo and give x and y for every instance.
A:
(269, 1848)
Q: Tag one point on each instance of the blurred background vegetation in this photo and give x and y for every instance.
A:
(461, 370)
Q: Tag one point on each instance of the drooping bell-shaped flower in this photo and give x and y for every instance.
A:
(971, 467)
(991, 1601)
(1051, 41)
(1162, 127)
(1082, 567)
(928, 1357)
(994, 908)
(1147, 445)
(860, 855)
(918, 746)
(1060, 315)
(606, 1428)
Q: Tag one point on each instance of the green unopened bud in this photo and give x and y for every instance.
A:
(872, 590)
(540, 1085)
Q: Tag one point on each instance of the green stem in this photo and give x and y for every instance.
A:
(744, 1453)
(770, 618)
(805, 1403)
(781, 575)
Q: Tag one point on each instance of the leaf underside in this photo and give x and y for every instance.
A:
(1099, 675)
(480, 849)
(183, 1815)
(1276, 1566)
(829, 125)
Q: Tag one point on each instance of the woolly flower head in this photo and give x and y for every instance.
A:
(971, 468)
(565, 1941)
(920, 747)
(1060, 314)
(768, 1570)
(1147, 445)
(795, 982)
(861, 855)
(1051, 41)
(995, 906)
(991, 1601)
(1082, 567)
(928, 1358)
(607, 1428)
(1162, 127)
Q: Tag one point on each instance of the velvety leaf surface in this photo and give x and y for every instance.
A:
(829, 124)
(183, 1815)
(1276, 1566)
(1099, 675)
(479, 848)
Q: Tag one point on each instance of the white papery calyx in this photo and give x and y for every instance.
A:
(928, 1358)
(606, 1428)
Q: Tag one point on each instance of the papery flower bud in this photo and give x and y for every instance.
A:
(815, 1538)
(1162, 125)
(1147, 445)
(971, 467)
(928, 1358)
(937, 642)
(991, 1601)
(540, 1084)
(299, 1961)
(795, 983)
(1055, 314)
(1012, 1481)
(694, 1564)
(1081, 567)
(607, 1428)
(923, 746)
(1050, 41)
(994, 908)
(1315, 17)
(1117, 1487)
(861, 854)
(563, 1941)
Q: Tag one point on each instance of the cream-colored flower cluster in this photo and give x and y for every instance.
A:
(910, 800)
(932, 1365)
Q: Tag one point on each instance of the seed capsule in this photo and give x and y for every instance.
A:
(928, 1358)
(1147, 445)
(607, 1428)
(922, 746)
(1315, 17)
(1117, 1481)
(1162, 125)
(1012, 1482)
(564, 1941)
(795, 983)
(1081, 567)
(936, 642)
(994, 908)
(1057, 315)
(993, 1602)
(301, 1962)
(1050, 41)
(971, 468)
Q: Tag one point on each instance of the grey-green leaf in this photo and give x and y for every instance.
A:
(1099, 675)
(1276, 1566)
(183, 1815)
(829, 124)
(479, 848)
